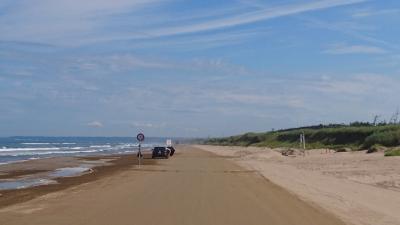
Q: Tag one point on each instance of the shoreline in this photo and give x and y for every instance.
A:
(109, 165)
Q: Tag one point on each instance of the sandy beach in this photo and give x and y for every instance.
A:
(193, 187)
(103, 166)
(359, 188)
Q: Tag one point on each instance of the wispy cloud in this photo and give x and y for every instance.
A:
(52, 21)
(71, 22)
(96, 124)
(117, 62)
(190, 42)
(260, 98)
(252, 17)
(342, 49)
(374, 12)
(147, 125)
(354, 85)
(352, 29)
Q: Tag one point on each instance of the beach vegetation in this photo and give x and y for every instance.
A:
(393, 152)
(354, 136)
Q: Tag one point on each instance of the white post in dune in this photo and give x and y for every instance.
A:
(303, 142)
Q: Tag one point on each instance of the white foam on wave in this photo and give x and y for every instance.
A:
(32, 153)
(100, 146)
(46, 143)
(27, 149)
(35, 143)
(27, 152)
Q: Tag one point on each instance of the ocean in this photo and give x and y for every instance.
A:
(13, 149)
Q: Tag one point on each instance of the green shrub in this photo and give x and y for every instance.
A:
(387, 138)
(394, 152)
(376, 148)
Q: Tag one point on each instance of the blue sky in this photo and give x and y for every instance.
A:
(194, 68)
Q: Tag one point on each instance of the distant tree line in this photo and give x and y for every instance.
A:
(394, 120)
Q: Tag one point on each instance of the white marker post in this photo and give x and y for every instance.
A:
(303, 142)
(140, 138)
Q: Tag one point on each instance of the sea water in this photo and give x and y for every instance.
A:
(14, 149)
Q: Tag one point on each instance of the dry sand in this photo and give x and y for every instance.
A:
(193, 187)
(360, 188)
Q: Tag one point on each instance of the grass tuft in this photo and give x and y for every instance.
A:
(393, 152)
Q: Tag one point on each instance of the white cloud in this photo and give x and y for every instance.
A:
(252, 17)
(117, 62)
(354, 30)
(374, 12)
(95, 124)
(193, 42)
(266, 99)
(147, 125)
(52, 21)
(341, 49)
(73, 22)
(363, 85)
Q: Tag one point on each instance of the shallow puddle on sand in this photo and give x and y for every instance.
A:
(70, 171)
(24, 183)
(47, 178)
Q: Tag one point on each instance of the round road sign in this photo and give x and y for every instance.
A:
(140, 137)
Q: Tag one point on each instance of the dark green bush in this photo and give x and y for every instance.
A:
(387, 138)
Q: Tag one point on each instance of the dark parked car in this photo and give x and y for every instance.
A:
(161, 152)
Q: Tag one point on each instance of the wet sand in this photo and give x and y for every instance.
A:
(193, 187)
(114, 164)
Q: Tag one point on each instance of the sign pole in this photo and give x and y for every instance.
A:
(140, 153)
(140, 138)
